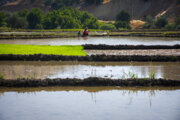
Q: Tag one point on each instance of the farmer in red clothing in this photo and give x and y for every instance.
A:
(85, 33)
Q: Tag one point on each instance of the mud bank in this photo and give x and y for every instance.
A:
(42, 57)
(72, 35)
(128, 47)
(88, 82)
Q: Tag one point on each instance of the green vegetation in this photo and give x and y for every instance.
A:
(2, 19)
(1, 76)
(64, 18)
(161, 23)
(123, 20)
(41, 49)
(107, 26)
(34, 19)
(152, 75)
(129, 75)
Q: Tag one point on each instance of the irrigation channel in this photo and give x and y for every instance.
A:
(90, 103)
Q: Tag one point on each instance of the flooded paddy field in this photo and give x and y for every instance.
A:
(90, 103)
(82, 70)
(96, 41)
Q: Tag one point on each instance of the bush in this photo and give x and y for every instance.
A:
(34, 18)
(2, 19)
(123, 16)
(161, 22)
(122, 24)
(15, 21)
(178, 27)
(170, 26)
(107, 26)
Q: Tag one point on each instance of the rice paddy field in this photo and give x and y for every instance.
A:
(82, 102)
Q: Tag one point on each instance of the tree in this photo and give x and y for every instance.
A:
(34, 18)
(150, 23)
(123, 16)
(15, 21)
(88, 20)
(161, 22)
(67, 22)
(107, 26)
(122, 24)
(2, 19)
(23, 13)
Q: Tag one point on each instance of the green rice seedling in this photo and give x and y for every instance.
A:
(67, 50)
(152, 75)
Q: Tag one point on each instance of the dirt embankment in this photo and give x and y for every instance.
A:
(92, 58)
(88, 82)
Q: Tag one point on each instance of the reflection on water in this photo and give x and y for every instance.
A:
(96, 40)
(90, 103)
(114, 70)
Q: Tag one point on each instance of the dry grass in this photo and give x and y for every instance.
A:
(136, 24)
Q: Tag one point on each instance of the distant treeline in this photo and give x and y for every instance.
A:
(71, 18)
(65, 17)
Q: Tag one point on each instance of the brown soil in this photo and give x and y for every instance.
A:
(135, 52)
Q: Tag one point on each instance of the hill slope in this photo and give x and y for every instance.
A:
(109, 8)
(137, 8)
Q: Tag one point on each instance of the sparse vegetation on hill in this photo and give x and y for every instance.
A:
(123, 20)
(161, 23)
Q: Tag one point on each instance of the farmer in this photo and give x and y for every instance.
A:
(85, 33)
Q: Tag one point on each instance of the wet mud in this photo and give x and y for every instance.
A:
(88, 82)
(42, 57)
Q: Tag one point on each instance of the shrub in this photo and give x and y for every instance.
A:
(34, 18)
(107, 26)
(123, 16)
(122, 24)
(2, 19)
(170, 26)
(161, 22)
(15, 21)
(178, 27)
(152, 75)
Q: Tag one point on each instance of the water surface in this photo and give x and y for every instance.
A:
(97, 40)
(90, 103)
(114, 70)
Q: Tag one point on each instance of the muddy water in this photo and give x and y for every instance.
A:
(97, 40)
(90, 103)
(114, 70)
